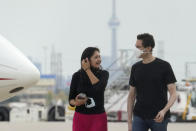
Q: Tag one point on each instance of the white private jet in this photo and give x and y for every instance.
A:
(16, 71)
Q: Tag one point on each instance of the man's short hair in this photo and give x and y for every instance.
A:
(147, 40)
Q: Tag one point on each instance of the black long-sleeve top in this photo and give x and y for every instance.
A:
(81, 84)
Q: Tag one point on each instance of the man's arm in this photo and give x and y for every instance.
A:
(130, 105)
(172, 99)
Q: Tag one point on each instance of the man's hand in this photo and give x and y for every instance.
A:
(129, 126)
(160, 116)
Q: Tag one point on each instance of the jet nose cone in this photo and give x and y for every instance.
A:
(30, 76)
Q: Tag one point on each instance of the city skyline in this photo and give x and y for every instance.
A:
(73, 25)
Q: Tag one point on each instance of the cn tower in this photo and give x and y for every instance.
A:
(114, 23)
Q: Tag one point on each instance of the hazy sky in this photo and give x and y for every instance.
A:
(72, 25)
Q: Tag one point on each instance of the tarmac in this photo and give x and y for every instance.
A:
(67, 126)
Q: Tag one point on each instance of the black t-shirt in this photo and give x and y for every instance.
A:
(150, 81)
(81, 84)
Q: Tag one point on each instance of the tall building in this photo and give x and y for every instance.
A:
(56, 68)
(114, 23)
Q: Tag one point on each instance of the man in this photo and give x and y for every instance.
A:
(149, 82)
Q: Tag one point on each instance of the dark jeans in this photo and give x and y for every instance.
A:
(140, 124)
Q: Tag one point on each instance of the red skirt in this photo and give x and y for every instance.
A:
(89, 122)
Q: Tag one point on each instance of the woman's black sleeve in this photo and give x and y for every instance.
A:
(73, 87)
(103, 80)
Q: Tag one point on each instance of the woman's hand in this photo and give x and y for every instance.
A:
(85, 64)
(79, 101)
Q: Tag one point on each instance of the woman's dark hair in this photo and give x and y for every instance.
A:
(147, 40)
(88, 52)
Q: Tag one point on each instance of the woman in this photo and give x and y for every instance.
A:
(87, 93)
